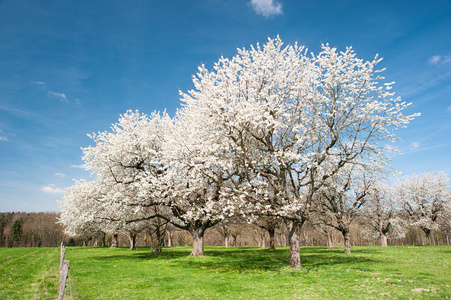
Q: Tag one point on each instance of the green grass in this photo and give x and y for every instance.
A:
(29, 273)
(250, 273)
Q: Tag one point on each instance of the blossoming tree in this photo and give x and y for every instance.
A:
(425, 198)
(286, 115)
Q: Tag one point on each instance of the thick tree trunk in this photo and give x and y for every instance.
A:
(427, 232)
(159, 240)
(132, 238)
(295, 238)
(383, 240)
(114, 243)
(347, 238)
(428, 237)
(198, 242)
(272, 233)
(226, 241)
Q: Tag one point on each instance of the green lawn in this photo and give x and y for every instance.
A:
(235, 273)
(29, 273)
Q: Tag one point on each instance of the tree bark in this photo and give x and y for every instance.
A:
(347, 238)
(198, 242)
(383, 240)
(330, 244)
(226, 241)
(295, 238)
(272, 244)
(169, 234)
(114, 242)
(159, 240)
(428, 232)
(132, 238)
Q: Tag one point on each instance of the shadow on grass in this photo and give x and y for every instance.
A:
(257, 259)
(144, 254)
(243, 259)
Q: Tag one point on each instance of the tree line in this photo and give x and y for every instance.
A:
(274, 135)
(20, 229)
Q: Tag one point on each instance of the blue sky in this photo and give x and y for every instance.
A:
(69, 68)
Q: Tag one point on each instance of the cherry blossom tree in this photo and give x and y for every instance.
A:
(286, 115)
(197, 178)
(125, 162)
(382, 216)
(425, 198)
(80, 210)
(342, 197)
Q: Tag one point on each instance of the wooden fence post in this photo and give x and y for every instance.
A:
(64, 272)
(63, 278)
(63, 254)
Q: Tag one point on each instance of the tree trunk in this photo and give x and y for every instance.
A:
(169, 233)
(428, 232)
(114, 243)
(272, 244)
(226, 241)
(347, 238)
(132, 238)
(159, 240)
(101, 239)
(330, 244)
(383, 240)
(294, 238)
(198, 242)
(263, 241)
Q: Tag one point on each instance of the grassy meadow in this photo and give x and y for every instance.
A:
(229, 273)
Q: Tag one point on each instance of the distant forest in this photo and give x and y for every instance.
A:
(19, 229)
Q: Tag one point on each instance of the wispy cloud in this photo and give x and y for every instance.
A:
(83, 166)
(13, 110)
(415, 145)
(52, 189)
(431, 147)
(434, 59)
(60, 96)
(438, 59)
(266, 8)
(449, 109)
(427, 84)
(39, 82)
(62, 175)
(3, 139)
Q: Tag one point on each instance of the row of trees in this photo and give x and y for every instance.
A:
(40, 229)
(30, 230)
(272, 133)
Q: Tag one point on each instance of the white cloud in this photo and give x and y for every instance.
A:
(39, 82)
(3, 139)
(52, 189)
(266, 8)
(415, 145)
(449, 109)
(62, 175)
(438, 59)
(83, 166)
(434, 59)
(61, 96)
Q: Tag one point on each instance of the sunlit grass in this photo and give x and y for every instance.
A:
(254, 273)
(29, 273)
(229, 273)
